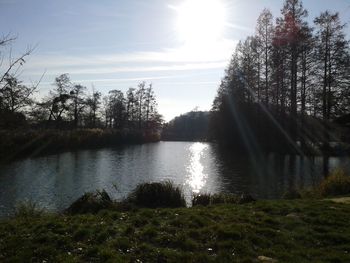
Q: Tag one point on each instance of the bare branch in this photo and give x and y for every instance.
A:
(19, 61)
(35, 85)
(6, 39)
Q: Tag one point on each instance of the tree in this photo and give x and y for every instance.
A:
(15, 96)
(294, 16)
(307, 70)
(12, 68)
(280, 75)
(140, 96)
(106, 111)
(249, 68)
(78, 102)
(264, 36)
(93, 102)
(282, 66)
(131, 108)
(332, 51)
(150, 105)
(117, 108)
(59, 98)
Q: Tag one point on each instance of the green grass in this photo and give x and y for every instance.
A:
(211, 199)
(284, 230)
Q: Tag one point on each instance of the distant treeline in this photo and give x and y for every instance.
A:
(69, 117)
(15, 144)
(286, 85)
(69, 105)
(191, 126)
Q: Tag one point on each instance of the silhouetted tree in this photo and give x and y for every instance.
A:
(264, 36)
(78, 102)
(15, 96)
(140, 96)
(59, 98)
(93, 103)
(131, 109)
(333, 54)
(117, 105)
(295, 73)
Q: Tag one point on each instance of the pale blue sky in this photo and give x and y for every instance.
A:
(114, 44)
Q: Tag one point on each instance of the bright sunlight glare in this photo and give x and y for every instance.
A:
(200, 21)
(197, 177)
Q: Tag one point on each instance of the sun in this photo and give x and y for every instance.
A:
(200, 21)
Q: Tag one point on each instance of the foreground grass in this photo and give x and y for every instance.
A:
(283, 230)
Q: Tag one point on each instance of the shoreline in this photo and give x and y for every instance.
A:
(21, 144)
(24, 144)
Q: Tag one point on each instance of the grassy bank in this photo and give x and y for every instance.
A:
(283, 230)
(217, 228)
(15, 144)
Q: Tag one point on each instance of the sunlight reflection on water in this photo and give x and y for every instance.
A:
(196, 176)
(55, 181)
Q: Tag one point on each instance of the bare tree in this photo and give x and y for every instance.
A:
(264, 36)
(14, 64)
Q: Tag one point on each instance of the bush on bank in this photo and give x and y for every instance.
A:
(160, 194)
(337, 183)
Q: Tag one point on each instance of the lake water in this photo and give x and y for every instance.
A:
(55, 181)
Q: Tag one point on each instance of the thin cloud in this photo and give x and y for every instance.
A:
(177, 59)
(108, 70)
(140, 78)
(218, 52)
(114, 80)
(173, 7)
(239, 27)
(190, 83)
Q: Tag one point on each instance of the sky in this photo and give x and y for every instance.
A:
(182, 47)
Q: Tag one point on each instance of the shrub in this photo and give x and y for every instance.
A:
(201, 199)
(292, 193)
(153, 195)
(337, 183)
(309, 193)
(91, 202)
(28, 209)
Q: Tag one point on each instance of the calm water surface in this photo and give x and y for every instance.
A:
(55, 181)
